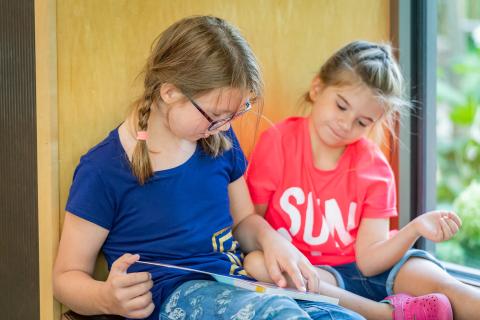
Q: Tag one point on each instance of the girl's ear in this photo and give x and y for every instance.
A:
(315, 88)
(169, 93)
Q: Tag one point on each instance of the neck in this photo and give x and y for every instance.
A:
(160, 137)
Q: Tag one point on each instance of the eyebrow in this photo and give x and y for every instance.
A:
(242, 103)
(348, 104)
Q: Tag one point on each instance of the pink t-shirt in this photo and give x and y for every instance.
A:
(319, 210)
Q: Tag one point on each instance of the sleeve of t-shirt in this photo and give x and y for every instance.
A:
(237, 157)
(380, 198)
(265, 168)
(89, 198)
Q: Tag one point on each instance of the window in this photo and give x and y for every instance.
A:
(458, 125)
(440, 150)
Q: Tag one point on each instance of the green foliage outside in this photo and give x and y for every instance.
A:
(458, 150)
(464, 248)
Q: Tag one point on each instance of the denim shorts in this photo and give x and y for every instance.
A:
(205, 299)
(377, 287)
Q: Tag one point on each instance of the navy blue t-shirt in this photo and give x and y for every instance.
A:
(180, 216)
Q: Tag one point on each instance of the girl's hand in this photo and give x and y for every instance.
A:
(437, 225)
(128, 294)
(281, 256)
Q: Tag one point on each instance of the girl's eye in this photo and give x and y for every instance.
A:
(362, 123)
(341, 107)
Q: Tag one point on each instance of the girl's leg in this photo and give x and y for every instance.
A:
(419, 276)
(205, 299)
(254, 264)
(325, 311)
(368, 308)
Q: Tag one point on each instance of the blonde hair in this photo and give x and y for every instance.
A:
(196, 54)
(373, 65)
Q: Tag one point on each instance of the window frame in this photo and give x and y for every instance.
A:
(415, 23)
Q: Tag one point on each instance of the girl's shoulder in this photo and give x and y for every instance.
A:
(369, 157)
(289, 128)
(104, 153)
(367, 149)
(290, 124)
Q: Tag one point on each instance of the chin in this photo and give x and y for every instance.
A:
(331, 141)
(195, 139)
(336, 144)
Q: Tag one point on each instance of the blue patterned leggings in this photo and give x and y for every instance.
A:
(204, 299)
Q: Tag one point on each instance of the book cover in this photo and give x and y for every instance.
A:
(260, 287)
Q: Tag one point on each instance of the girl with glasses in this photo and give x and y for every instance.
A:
(167, 186)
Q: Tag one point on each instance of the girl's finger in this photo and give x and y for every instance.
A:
(452, 225)
(311, 277)
(275, 272)
(140, 302)
(131, 279)
(138, 290)
(452, 215)
(445, 229)
(294, 272)
(122, 264)
(142, 313)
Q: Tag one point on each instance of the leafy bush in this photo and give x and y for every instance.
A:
(458, 126)
(467, 206)
(451, 251)
(464, 248)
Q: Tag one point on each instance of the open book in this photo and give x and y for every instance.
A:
(256, 286)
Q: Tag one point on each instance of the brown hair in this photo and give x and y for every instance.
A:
(196, 54)
(373, 65)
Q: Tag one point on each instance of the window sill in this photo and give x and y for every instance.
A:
(467, 275)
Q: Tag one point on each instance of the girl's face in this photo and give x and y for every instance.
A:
(342, 115)
(191, 117)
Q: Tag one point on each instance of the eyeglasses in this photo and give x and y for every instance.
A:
(215, 124)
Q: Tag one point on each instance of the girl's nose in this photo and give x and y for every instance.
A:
(345, 124)
(225, 127)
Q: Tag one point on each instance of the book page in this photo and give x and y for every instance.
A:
(260, 287)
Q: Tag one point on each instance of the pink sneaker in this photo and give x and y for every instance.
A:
(435, 306)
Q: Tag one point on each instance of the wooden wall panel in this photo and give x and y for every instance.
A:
(102, 46)
(47, 151)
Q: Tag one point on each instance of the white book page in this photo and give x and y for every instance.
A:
(256, 286)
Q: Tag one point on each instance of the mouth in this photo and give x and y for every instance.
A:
(336, 134)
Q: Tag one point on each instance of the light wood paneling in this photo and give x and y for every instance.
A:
(102, 46)
(47, 151)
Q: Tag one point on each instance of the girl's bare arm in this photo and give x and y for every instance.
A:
(376, 252)
(73, 284)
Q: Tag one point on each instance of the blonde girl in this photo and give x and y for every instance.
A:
(330, 191)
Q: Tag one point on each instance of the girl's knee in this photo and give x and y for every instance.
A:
(254, 265)
(448, 283)
(254, 257)
(281, 307)
(327, 276)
